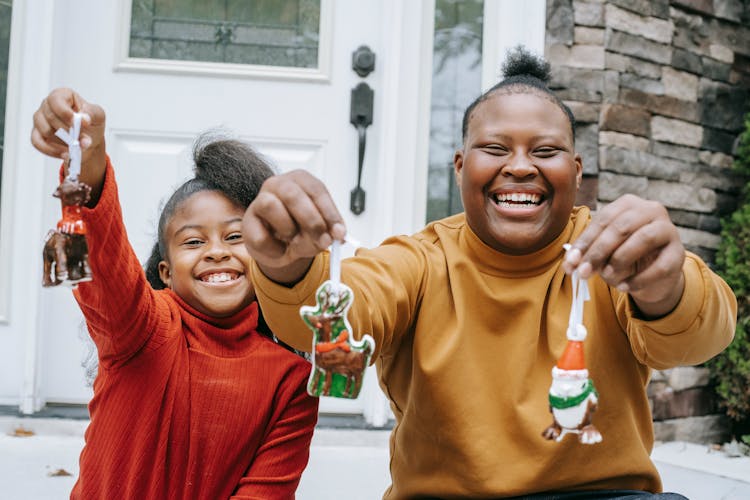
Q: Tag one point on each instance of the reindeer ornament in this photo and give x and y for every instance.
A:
(339, 361)
(66, 255)
(572, 396)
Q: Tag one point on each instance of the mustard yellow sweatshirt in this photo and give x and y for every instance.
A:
(466, 340)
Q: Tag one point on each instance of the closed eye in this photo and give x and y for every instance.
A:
(192, 242)
(494, 149)
(234, 237)
(546, 152)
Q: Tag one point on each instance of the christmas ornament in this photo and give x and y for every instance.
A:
(66, 253)
(339, 361)
(572, 396)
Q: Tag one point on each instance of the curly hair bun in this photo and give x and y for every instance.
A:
(520, 62)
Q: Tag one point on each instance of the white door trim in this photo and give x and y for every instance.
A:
(27, 178)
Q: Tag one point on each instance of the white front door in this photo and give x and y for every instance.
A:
(299, 117)
(161, 91)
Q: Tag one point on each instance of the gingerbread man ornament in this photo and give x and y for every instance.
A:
(339, 361)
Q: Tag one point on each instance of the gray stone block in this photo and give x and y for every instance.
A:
(639, 163)
(703, 6)
(584, 112)
(729, 9)
(720, 104)
(675, 151)
(625, 119)
(559, 22)
(661, 104)
(612, 186)
(652, 28)
(682, 196)
(588, 13)
(717, 140)
(627, 64)
(638, 47)
(687, 61)
(624, 141)
(702, 222)
(716, 70)
(628, 80)
(656, 8)
(587, 142)
(698, 239)
(676, 131)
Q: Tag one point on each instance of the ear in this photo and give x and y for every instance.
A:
(579, 170)
(165, 273)
(458, 165)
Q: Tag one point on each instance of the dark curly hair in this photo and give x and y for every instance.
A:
(523, 72)
(229, 166)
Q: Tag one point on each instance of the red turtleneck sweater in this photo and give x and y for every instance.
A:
(185, 405)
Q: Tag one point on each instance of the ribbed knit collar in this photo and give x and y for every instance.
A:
(228, 337)
(490, 261)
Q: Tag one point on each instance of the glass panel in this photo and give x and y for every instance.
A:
(5, 11)
(264, 32)
(456, 82)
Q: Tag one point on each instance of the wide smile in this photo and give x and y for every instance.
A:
(220, 278)
(517, 202)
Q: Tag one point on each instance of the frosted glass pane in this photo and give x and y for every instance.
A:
(456, 82)
(263, 32)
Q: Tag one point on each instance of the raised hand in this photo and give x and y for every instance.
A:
(634, 246)
(292, 219)
(56, 111)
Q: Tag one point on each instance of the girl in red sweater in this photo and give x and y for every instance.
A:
(190, 400)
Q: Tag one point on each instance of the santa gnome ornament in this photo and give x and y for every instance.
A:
(572, 396)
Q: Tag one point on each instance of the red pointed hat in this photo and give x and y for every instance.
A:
(572, 357)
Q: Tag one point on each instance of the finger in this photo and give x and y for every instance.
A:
(57, 112)
(273, 213)
(48, 148)
(633, 252)
(328, 210)
(260, 241)
(612, 232)
(307, 215)
(655, 279)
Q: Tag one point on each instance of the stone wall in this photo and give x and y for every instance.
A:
(659, 90)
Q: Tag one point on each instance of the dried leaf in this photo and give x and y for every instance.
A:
(59, 473)
(21, 432)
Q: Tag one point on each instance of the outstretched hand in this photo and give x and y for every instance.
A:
(55, 112)
(634, 246)
(292, 219)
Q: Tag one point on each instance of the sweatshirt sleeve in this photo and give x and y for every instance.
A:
(119, 305)
(387, 281)
(700, 327)
(283, 455)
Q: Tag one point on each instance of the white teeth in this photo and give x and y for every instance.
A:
(508, 199)
(218, 278)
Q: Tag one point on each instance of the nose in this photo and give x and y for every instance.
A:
(519, 165)
(217, 251)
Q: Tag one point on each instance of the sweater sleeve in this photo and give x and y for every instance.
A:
(119, 305)
(700, 327)
(387, 281)
(282, 456)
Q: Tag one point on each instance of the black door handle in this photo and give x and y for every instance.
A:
(361, 118)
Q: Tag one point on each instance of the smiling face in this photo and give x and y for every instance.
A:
(206, 262)
(518, 172)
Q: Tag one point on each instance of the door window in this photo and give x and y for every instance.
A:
(257, 32)
(456, 82)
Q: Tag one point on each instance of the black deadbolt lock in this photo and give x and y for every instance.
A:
(363, 61)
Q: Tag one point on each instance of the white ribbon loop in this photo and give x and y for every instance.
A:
(576, 330)
(74, 147)
(335, 263)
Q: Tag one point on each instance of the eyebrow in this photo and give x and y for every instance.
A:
(199, 227)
